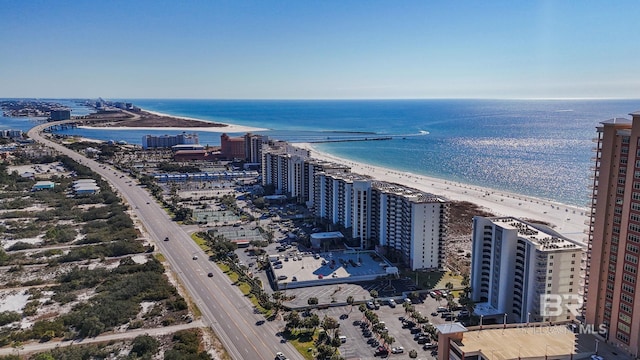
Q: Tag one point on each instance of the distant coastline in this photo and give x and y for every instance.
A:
(524, 147)
(153, 120)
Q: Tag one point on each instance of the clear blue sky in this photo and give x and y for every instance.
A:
(320, 49)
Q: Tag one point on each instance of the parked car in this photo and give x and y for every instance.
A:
(382, 351)
(370, 305)
(392, 303)
(430, 346)
(397, 350)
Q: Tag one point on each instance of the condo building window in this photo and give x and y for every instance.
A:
(631, 258)
(622, 337)
(630, 268)
(636, 174)
(624, 327)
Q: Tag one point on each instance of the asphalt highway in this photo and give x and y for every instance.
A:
(224, 308)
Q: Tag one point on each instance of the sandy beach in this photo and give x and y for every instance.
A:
(226, 128)
(142, 121)
(566, 219)
(230, 128)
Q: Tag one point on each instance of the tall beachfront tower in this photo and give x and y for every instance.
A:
(517, 266)
(409, 223)
(611, 266)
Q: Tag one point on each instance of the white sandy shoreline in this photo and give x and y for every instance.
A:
(568, 220)
(227, 128)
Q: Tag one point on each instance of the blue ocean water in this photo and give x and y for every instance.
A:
(539, 148)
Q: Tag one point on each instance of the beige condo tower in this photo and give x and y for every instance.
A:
(611, 264)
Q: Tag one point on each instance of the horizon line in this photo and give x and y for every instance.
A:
(328, 99)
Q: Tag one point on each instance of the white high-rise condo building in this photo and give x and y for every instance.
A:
(524, 271)
(406, 223)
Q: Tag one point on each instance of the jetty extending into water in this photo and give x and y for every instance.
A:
(328, 140)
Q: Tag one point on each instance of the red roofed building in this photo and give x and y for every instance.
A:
(232, 148)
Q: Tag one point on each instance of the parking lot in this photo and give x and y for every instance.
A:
(307, 266)
(358, 345)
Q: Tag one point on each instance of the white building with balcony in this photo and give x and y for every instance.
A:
(526, 272)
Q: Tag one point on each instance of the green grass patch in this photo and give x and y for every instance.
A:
(223, 267)
(245, 288)
(200, 241)
(448, 276)
(434, 279)
(263, 311)
(160, 257)
(303, 340)
(233, 276)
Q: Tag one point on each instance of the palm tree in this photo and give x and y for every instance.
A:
(350, 302)
(373, 293)
(465, 280)
(449, 286)
(329, 323)
(390, 340)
